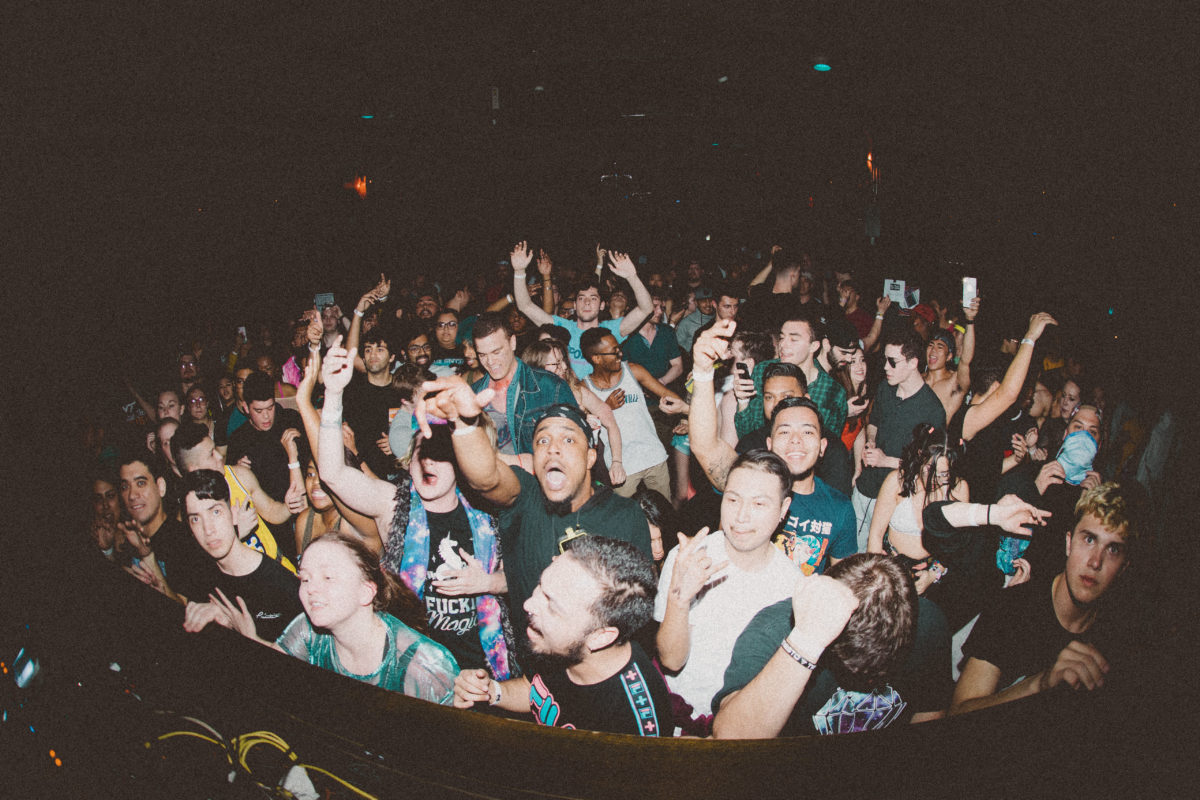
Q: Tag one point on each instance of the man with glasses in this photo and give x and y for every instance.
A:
(902, 402)
(539, 514)
(417, 347)
(623, 387)
(446, 356)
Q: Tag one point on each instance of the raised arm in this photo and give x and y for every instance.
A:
(885, 504)
(267, 507)
(715, 456)
(983, 414)
(520, 257)
(370, 496)
(592, 404)
(872, 337)
(622, 267)
(968, 349)
(765, 272)
(451, 399)
(727, 423)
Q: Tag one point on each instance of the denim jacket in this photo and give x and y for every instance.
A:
(531, 390)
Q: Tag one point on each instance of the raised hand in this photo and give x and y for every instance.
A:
(1014, 515)
(1038, 323)
(882, 304)
(520, 256)
(296, 498)
(135, 536)
(544, 265)
(449, 398)
(245, 517)
(693, 569)
(712, 345)
(338, 367)
(315, 329)
(622, 265)
(821, 606)
(970, 311)
(600, 253)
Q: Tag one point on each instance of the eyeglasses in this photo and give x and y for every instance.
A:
(447, 324)
(198, 400)
(418, 348)
(614, 352)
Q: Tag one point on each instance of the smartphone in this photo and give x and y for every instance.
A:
(742, 370)
(242, 332)
(322, 300)
(970, 292)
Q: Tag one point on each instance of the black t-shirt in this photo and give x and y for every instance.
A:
(766, 311)
(369, 410)
(633, 701)
(268, 460)
(922, 683)
(272, 595)
(836, 467)
(983, 456)
(453, 621)
(529, 535)
(188, 569)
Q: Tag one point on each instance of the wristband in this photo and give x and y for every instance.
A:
(358, 313)
(799, 659)
(703, 377)
(519, 273)
(989, 515)
(294, 465)
(314, 348)
(493, 701)
(617, 461)
(1028, 341)
(879, 316)
(969, 322)
(463, 430)
(975, 514)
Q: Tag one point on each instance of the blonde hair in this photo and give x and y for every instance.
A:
(1119, 510)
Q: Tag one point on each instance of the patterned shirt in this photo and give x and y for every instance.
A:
(823, 390)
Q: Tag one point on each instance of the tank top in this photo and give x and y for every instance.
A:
(640, 446)
(261, 539)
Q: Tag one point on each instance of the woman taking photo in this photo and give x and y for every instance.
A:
(345, 627)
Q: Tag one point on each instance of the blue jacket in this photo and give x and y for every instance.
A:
(531, 390)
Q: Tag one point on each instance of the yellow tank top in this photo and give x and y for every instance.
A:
(261, 539)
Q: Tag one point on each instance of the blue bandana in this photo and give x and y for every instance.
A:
(1076, 455)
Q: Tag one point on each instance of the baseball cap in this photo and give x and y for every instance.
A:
(925, 312)
(565, 411)
(703, 293)
(946, 336)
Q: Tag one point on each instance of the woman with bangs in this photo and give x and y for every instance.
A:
(856, 378)
(928, 473)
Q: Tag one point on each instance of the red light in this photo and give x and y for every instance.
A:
(358, 185)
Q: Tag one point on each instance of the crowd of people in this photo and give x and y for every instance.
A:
(739, 500)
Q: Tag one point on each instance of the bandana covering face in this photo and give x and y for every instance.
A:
(1076, 455)
(483, 538)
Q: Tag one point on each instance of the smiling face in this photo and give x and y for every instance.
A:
(419, 350)
(497, 354)
(752, 507)
(796, 438)
(779, 388)
(106, 501)
(559, 611)
(937, 354)
(1096, 557)
(333, 588)
(141, 494)
(445, 330)
(426, 307)
(318, 498)
(707, 305)
(562, 461)
(858, 367)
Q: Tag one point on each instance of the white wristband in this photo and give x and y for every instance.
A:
(1028, 341)
(463, 430)
(978, 514)
(358, 313)
(496, 688)
(294, 465)
(703, 377)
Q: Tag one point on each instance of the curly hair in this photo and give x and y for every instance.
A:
(627, 583)
(1120, 507)
(928, 444)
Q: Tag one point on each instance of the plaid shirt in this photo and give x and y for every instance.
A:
(827, 393)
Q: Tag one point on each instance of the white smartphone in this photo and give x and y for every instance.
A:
(969, 291)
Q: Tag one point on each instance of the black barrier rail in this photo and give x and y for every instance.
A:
(117, 671)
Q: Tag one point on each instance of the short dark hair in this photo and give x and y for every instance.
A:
(408, 378)
(988, 371)
(556, 332)
(881, 630)
(797, 402)
(810, 318)
(153, 464)
(853, 284)
(591, 338)
(374, 336)
(782, 369)
(726, 289)
(488, 323)
(759, 345)
(206, 484)
(585, 284)
(187, 437)
(627, 583)
(766, 461)
(910, 343)
(259, 386)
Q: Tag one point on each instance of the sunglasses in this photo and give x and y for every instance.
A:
(893, 362)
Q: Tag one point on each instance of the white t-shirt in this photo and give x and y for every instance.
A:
(720, 612)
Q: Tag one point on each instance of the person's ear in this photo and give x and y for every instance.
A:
(366, 593)
(1069, 534)
(601, 638)
(162, 487)
(512, 341)
(824, 444)
(591, 457)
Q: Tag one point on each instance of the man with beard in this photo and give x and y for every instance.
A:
(587, 673)
(417, 347)
(818, 529)
(371, 404)
(539, 514)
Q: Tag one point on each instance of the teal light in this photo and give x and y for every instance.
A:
(821, 66)
(368, 116)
